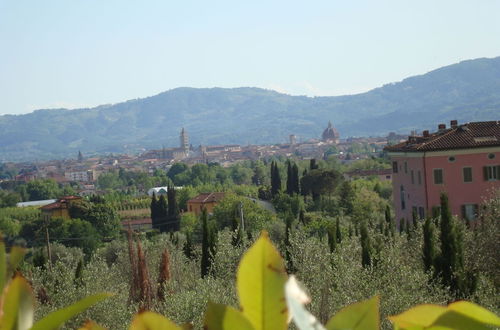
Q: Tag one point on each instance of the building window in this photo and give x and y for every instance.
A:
(414, 213)
(451, 159)
(406, 167)
(491, 156)
(421, 212)
(467, 174)
(438, 176)
(403, 197)
(491, 173)
(469, 211)
(419, 177)
(394, 167)
(412, 177)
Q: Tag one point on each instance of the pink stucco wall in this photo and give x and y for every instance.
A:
(427, 193)
(460, 192)
(414, 192)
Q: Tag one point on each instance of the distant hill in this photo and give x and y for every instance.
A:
(467, 91)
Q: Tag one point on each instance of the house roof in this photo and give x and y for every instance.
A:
(51, 206)
(207, 197)
(384, 171)
(466, 136)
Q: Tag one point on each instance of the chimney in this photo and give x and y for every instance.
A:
(441, 127)
(453, 124)
(426, 133)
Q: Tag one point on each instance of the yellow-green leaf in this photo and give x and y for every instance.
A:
(460, 315)
(3, 264)
(222, 317)
(363, 316)
(17, 305)
(91, 325)
(475, 312)
(152, 321)
(261, 285)
(418, 316)
(16, 255)
(55, 319)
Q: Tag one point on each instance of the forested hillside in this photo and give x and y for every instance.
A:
(467, 91)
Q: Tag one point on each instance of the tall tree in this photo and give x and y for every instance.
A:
(347, 196)
(173, 215)
(338, 233)
(289, 179)
(366, 246)
(332, 238)
(429, 248)
(275, 179)
(295, 183)
(205, 243)
(451, 259)
(162, 209)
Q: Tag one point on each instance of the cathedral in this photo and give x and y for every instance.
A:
(330, 134)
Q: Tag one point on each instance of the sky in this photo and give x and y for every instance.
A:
(83, 53)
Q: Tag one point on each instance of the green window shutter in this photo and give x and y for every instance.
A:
(485, 173)
(498, 172)
(476, 211)
(464, 214)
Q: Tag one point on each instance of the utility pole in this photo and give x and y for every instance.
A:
(47, 241)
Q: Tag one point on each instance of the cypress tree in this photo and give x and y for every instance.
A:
(173, 216)
(428, 249)
(332, 238)
(414, 217)
(289, 179)
(350, 230)
(237, 232)
(275, 179)
(154, 211)
(338, 233)
(302, 217)
(162, 210)
(295, 183)
(451, 259)
(205, 244)
(366, 248)
(388, 214)
(347, 196)
(188, 247)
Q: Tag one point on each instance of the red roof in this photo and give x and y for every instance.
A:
(384, 171)
(51, 206)
(207, 197)
(466, 136)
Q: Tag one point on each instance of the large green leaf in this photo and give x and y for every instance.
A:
(152, 321)
(461, 315)
(475, 312)
(418, 316)
(17, 305)
(363, 316)
(55, 319)
(261, 285)
(296, 298)
(222, 317)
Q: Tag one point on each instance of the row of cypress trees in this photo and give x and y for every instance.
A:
(165, 215)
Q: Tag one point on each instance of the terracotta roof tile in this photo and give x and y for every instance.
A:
(207, 197)
(470, 135)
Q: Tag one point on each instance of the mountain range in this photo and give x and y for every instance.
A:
(466, 91)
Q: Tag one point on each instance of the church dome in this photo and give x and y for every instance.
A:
(330, 133)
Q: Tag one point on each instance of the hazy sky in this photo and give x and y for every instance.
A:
(78, 53)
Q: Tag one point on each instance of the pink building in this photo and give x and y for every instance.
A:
(463, 161)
